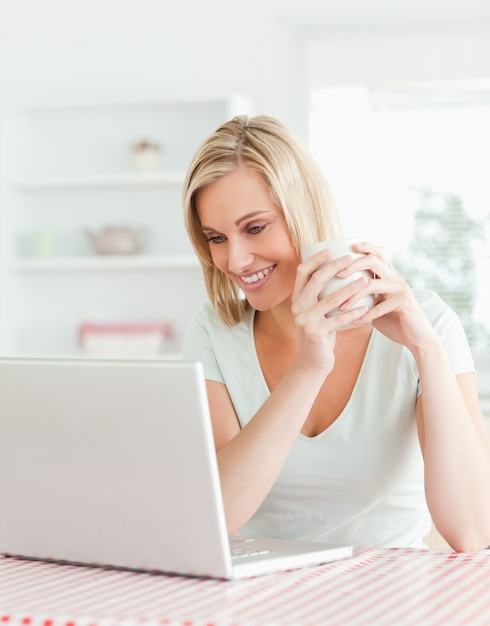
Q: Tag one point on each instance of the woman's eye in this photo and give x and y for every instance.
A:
(216, 239)
(254, 230)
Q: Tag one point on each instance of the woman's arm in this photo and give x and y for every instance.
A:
(251, 458)
(456, 451)
(454, 441)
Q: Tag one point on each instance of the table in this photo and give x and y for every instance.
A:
(377, 587)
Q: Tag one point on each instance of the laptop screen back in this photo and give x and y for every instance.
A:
(110, 462)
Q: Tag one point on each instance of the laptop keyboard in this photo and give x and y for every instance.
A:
(244, 548)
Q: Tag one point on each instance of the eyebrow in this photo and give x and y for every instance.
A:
(244, 218)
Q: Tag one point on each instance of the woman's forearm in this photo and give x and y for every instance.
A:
(456, 453)
(251, 462)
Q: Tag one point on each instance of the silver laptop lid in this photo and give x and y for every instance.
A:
(110, 462)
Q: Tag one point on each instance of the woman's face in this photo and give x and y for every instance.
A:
(248, 237)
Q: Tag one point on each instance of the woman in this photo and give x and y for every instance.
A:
(346, 436)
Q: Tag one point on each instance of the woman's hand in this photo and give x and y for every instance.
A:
(396, 313)
(317, 331)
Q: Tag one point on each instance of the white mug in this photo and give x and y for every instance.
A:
(339, 248)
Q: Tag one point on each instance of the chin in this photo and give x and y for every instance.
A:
(266, 304)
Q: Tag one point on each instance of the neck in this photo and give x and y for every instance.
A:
(277, 322)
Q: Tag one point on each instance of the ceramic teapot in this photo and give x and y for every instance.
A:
(118, 240)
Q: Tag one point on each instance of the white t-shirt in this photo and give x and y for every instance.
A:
(361, 480)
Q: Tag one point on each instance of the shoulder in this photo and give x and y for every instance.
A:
(429, 300)
(438, 311)
(207, 334)
(207, 320)
(224, 351)
(205, 314)
(450, 329)
(203, 324)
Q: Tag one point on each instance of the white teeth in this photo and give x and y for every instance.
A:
(255, 277)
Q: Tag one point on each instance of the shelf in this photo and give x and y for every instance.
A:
(71, 356)
(143, 262)
(235, 101)
(130, 179)
(161, 356)
(67, 167)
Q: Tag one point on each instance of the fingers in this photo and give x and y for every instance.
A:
(390, 296)
(365, 247)
(329, 307)
(364, 287)
(317, 326)
(315, 272)
(373, 260)
(395, 313)
(377, 283)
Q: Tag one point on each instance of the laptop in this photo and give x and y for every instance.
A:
(112, 463)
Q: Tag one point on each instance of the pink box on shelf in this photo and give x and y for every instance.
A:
(124, 338)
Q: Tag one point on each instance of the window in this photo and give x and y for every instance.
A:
(410, 168)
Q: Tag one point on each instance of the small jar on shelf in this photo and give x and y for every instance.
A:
(145, 155)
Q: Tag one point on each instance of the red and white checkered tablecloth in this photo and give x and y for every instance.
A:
(375, 588)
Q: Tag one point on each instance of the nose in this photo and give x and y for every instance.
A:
(240, 256)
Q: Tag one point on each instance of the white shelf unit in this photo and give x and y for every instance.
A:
(66, 168)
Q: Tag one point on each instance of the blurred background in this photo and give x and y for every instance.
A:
(103, 102)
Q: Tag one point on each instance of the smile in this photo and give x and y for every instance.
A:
(254, 278)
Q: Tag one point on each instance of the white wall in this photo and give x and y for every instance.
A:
(51, 48)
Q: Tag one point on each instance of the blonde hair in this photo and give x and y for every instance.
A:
(296, 183)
